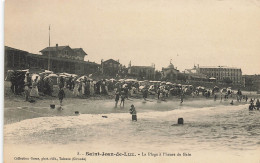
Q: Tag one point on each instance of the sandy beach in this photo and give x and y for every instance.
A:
(209, 128)
(35, 131)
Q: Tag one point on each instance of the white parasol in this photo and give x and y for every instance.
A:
(34, 77)
(52, 75)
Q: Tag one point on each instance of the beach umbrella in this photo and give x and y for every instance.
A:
(48, 72)
(52, 75)
(169, 83)
(65, 74)
(34, 77)
(62, 75)
(83, 77)
(112, 80)
(26, 70)
(141, 87)
(128, 80)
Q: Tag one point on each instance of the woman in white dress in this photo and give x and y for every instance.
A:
(34, 91)
(76, 89)
(83, 88)
(92, 88)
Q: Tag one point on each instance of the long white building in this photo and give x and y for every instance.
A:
(222, 72)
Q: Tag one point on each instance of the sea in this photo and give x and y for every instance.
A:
(216, 133)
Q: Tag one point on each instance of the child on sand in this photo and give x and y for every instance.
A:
(133, 112)
(61, 95)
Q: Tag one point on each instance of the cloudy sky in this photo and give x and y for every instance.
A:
(204, 32)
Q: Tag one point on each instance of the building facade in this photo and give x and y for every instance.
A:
(110, 67)
(72, 62)
(142, 72)
(64, 52)
(220, 73)
(170, 72)
(194, 74)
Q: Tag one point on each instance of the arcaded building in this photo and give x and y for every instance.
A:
(57, 59)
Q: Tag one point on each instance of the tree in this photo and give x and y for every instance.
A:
(227, 80)
(181, 76)
(249, 83)
(158, 75)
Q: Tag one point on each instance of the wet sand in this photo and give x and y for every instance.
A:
(18, 110)
(212, 132)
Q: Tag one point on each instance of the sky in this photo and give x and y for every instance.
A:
(188, 32)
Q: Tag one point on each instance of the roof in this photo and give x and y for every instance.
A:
(142, 67)
(169, 67)
(111, 60)
(9, 48)
(54, 48)
(61, 59)
(219, 67)
(79, 50)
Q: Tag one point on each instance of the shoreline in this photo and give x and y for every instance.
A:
(18, 110)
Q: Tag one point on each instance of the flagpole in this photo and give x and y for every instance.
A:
(49, 56)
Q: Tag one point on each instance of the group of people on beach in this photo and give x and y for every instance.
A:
(85, 86)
